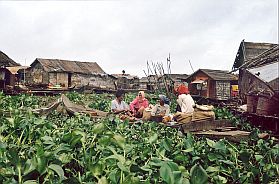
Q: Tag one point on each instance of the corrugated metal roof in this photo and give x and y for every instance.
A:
(266, 73)
(58, 65)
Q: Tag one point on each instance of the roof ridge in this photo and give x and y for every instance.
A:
(260, 43)
(66, 60)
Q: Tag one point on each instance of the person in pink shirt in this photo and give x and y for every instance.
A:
(138, 105)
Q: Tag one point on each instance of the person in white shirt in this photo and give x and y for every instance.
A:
(118, 105)
(162, 108)
(184, 100)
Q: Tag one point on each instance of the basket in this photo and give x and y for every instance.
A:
(252, 103)
(266, 105)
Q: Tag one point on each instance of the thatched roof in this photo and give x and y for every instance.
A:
(220, 75)
(267, 57)
(250, 50)
(58, 65)
(6, 61)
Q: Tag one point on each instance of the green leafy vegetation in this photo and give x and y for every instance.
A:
(79, 149)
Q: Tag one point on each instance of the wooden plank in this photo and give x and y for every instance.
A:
(235, 136)
(205, 125)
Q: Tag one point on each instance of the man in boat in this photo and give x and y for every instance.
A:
(118, 105)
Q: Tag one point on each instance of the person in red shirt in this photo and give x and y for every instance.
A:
(138, 105)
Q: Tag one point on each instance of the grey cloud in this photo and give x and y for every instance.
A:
(125, 34)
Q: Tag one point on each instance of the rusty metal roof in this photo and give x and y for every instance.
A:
(58, 65)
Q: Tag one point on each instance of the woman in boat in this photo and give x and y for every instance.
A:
(138, 105)
(161, 109)
(184, 100)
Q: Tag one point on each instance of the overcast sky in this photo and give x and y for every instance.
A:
(125, 34)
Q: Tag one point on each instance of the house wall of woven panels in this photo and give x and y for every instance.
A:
(37, 75)
(58, 78)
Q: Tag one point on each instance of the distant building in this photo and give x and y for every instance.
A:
(215, 84)
(8, 71)
(148, 83)
(68, 73)
(172, 79)
(127, 81)
(11, 76)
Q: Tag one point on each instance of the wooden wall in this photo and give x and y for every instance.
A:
(193, 87)
(211, 88)
(7, 78)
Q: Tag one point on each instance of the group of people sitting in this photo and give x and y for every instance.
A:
(140, 104)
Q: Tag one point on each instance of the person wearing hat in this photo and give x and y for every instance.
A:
(185, 100)
(161, 109)
(138, 105)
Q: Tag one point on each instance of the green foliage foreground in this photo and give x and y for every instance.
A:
(63, 149)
